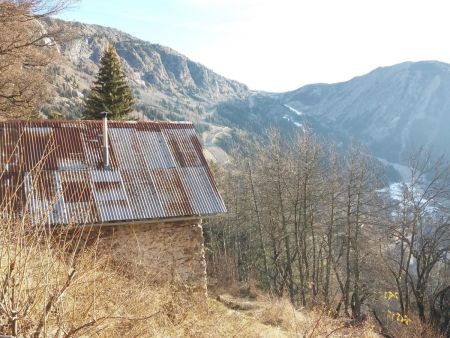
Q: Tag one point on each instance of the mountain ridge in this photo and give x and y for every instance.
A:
(388, 109)
(409, 100)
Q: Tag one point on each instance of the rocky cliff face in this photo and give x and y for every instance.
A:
(165, 83)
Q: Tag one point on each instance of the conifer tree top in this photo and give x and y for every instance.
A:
(110, 91)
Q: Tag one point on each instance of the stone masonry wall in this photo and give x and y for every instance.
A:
(163, 252)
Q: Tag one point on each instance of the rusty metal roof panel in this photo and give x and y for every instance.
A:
(154, 150)
(141, 191)
(196, 179)
(54, 170)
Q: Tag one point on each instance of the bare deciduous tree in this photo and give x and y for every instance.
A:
(313, 223)
(420, 234)
(26, 48)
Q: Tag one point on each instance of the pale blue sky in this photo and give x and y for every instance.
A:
(279, 45)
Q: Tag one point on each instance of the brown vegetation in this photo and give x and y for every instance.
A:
(54, 286)
(316, 226)
(26, 48)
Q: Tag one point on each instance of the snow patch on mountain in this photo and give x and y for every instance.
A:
(298, 124)
(295, 111)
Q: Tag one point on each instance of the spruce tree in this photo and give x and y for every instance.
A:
(110, 91)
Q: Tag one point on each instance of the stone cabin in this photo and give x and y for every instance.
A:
(146, 184)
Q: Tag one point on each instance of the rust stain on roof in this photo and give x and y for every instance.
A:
(53, 170)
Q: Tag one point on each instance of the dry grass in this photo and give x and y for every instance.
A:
(53, 286)
(321, 325)
(415, 329)
(89, 297)
(311, 323)
(280, 316)
(99, 301)
(281, 313)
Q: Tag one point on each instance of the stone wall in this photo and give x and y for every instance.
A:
(163, 252)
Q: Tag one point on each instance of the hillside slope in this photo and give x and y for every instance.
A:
(165, 83)
(391, 109)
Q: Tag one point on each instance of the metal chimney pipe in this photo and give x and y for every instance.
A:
(105, 142)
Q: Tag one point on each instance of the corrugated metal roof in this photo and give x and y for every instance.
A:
(54, 171)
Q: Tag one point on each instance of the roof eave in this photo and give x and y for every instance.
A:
(197, 218)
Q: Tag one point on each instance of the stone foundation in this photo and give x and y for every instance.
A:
(163, 252)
